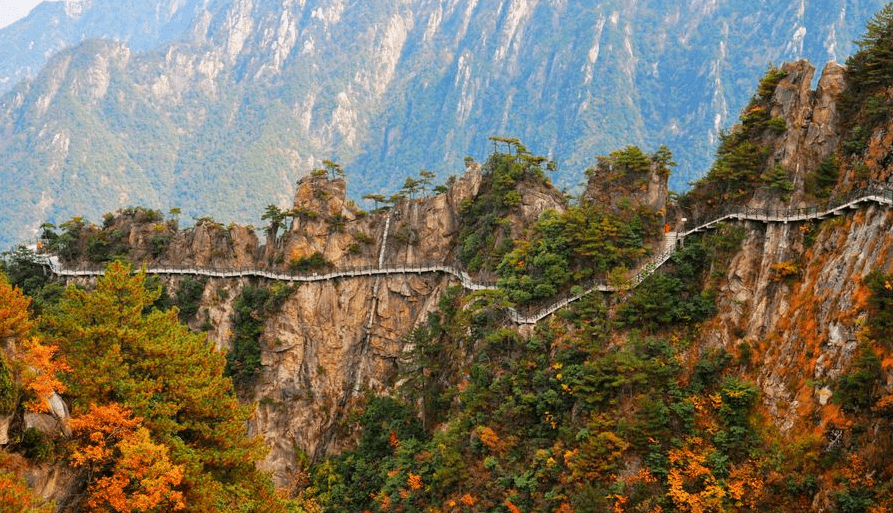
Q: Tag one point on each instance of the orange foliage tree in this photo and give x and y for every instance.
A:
(121, 350)
(128, 472)
(14, 319)
(36, 365)
(40, 373)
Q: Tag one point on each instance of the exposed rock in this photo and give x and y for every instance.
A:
(58, 407)
(822, 134)
(812, 122)
(804, 331)
(610, 186)
(5, 421)
(56, 482)
(42, 422)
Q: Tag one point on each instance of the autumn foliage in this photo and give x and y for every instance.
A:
(15, 322)
(158, 421)
(41, 373)
(128, 471)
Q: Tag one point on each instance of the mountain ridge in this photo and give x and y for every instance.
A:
(252, 94)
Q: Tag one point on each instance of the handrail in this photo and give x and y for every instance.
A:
(873, 194)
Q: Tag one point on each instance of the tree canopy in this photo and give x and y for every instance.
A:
(124, 354)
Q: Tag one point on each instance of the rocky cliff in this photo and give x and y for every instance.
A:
(789, 309)
(796, 294)
(329, 342)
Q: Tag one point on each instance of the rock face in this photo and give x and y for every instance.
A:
(330, 341)
(802, 329)
(793, 294)
(812, 122)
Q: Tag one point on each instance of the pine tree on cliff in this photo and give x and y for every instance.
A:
(872, 65)
(123, 352)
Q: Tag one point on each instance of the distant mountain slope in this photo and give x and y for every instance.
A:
(53, 26)
(217, 106)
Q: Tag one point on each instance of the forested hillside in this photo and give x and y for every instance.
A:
(750, 372)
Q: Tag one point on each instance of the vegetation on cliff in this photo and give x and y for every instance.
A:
(155, 424)
(650, 399)
(486, 235)
(253, 306)
(741, 164)
(592, 239)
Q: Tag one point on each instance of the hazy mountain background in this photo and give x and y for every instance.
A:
(218, 106)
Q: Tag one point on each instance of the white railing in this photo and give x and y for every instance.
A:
(877, 195)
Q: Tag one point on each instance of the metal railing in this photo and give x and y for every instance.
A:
(836, 206)
(873, 194)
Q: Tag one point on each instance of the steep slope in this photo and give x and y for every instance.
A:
(218, 116)
(751, 372)
(53, 26)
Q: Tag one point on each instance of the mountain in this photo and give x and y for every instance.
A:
(492, 347)
(217, 107)
(53, 26)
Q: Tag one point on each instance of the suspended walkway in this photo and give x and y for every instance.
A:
(855, 200)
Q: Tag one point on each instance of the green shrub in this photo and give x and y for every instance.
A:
(708, 369)
(857, 142)
(869, 71)
(66, 245)
(9, 389)
(777, 124)
(584, 240)
(674, 297)
(406, 235)
(854, 501)
(363, 238)
(315, 261)
(337, 223)
(253, 306)
(159, 244)
(769, 83)
(36, 445)
(880, 307)
(777, 179)
(305, 213)
(738, 399)
(631, 160)
(823, 178)
(25, 269)
(857, 388)
(188, 295)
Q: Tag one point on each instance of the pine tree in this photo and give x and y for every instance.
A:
(150, 364)
(872, 65)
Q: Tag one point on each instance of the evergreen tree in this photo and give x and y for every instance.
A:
(872, 65)
(123, 352)
(276, 216)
